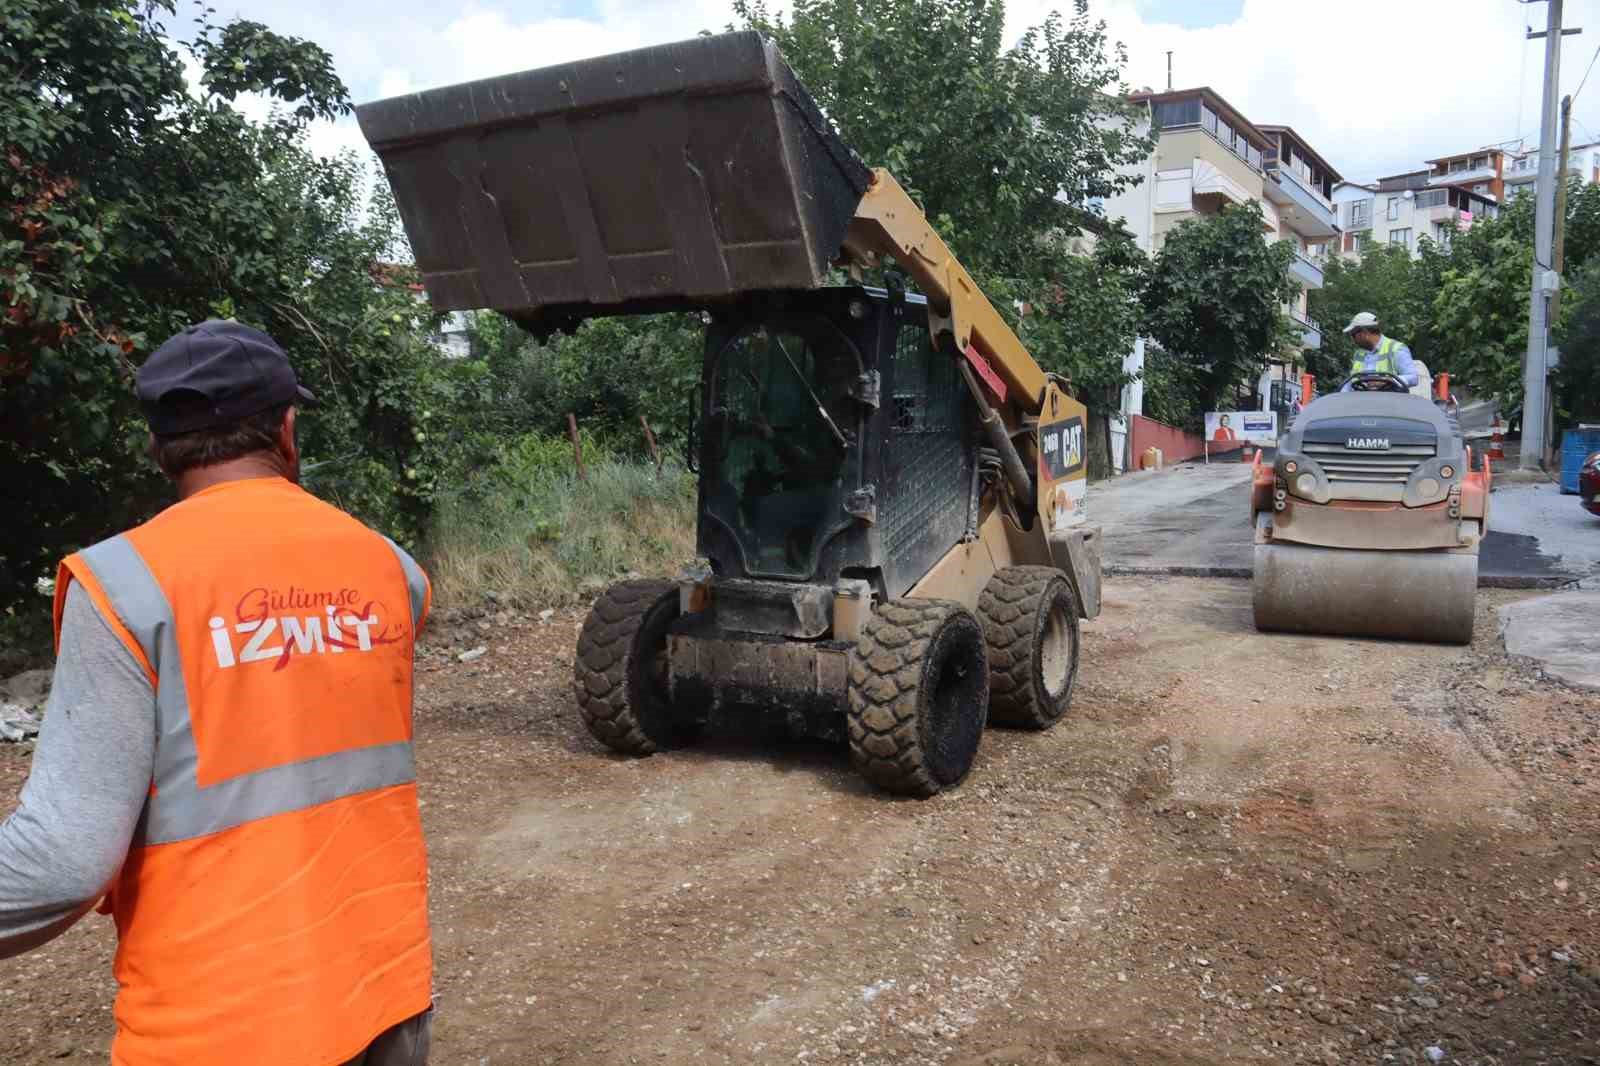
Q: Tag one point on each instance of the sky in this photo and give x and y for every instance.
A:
(1375, 86)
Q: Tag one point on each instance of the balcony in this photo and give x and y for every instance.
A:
(1310, 328)
(1309, 213)
(1306, 270)
(1462, 177)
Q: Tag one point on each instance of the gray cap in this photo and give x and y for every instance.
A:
(1363, 320)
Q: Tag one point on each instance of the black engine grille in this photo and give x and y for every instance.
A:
(1392, 465)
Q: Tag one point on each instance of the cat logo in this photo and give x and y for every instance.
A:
(1061, 447)
(1367, 444)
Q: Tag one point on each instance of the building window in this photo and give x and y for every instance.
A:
(1357, 241)
(1169, 114)
(1400, 237)
(1360, 214)
(1482, 188)
(1394, 208)
(1479, 162)
(1457, 165)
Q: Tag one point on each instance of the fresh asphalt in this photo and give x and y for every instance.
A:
(1194, 519)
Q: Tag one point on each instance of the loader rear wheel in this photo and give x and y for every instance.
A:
(621, 671)
(1030, 620)
(918, 696)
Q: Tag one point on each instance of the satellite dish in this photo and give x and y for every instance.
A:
(1408, 194)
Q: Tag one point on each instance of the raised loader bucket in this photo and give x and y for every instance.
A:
(666, 178)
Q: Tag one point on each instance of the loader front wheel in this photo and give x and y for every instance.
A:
(620, 675)
(1030, 620)
(918, 696)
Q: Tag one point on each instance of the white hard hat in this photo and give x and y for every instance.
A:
(1363, 320)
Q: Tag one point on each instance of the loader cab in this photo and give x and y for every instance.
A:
(835, 442)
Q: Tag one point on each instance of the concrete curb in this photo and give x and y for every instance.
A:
(1485, 581)
(1519, 581)
(1121, 570)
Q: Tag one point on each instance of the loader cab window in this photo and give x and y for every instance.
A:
(778, 464)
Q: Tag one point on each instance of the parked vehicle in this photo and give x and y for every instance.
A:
(1589, 483)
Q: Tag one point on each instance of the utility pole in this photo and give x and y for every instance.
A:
(1533, 367)
(1558, 258)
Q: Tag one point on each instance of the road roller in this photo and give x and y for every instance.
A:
(1369, 517)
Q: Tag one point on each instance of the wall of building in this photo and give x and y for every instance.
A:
(1134, 206)
(1175, 444)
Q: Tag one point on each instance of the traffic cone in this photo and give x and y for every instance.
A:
(1496, 442)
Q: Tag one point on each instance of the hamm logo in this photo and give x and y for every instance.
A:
(1367, 444)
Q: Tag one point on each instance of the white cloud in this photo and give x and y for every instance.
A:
(1377, 86)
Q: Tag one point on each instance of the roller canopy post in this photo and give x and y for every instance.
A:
(667, 178)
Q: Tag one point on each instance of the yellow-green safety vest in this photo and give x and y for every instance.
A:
(1385, 364)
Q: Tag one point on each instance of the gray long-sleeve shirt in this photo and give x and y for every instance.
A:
(66, 841)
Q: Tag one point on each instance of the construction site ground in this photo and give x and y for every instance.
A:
(1238, 848)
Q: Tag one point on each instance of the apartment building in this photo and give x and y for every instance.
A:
(1403, 209)
(1522, 169)
(1209, 155)
(1481, 171)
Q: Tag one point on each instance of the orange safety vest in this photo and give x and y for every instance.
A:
(273, 905)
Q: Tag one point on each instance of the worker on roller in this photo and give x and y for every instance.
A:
(226, 754)
(1377, 354)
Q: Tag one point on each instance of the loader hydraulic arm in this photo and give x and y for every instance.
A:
(888, 222)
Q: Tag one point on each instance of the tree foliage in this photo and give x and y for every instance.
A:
(1381, 282)
(1462, 308)
(1577, 378)
(136, 205)
(1215, 300)
(1005, 148)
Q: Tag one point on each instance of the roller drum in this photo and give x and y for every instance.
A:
(1407, 595)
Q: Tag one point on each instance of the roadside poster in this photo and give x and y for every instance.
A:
(1257, 427)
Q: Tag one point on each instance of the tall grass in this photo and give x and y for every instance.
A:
(528, 529)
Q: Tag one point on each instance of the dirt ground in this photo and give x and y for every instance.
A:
(1237, 848)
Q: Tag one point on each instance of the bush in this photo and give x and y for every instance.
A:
(528, 530)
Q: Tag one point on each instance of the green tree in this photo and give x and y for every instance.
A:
(608, 372)
(1577, 378)
(1005, 148)
(1382, 281)
(136, 206)
(1215, 300)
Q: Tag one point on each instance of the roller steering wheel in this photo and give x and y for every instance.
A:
(1376, 383)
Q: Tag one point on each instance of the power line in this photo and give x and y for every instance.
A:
(1586, 74)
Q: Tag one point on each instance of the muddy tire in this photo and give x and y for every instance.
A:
(621, 675)
(918, 696)
(1030, 621)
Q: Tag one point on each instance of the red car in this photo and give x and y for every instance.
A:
(1589, 484)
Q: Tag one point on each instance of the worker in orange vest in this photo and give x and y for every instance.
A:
(226, 757)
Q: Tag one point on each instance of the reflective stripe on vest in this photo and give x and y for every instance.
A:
(1385, 361)
(180, 809)
(273, 906)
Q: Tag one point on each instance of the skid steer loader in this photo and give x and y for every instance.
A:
(1368, 520)
(890, 488)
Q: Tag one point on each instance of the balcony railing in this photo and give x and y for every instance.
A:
(1459, 177)
(1302, 181)
(1310, 331)
(1307, 270)
(1304, 319)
